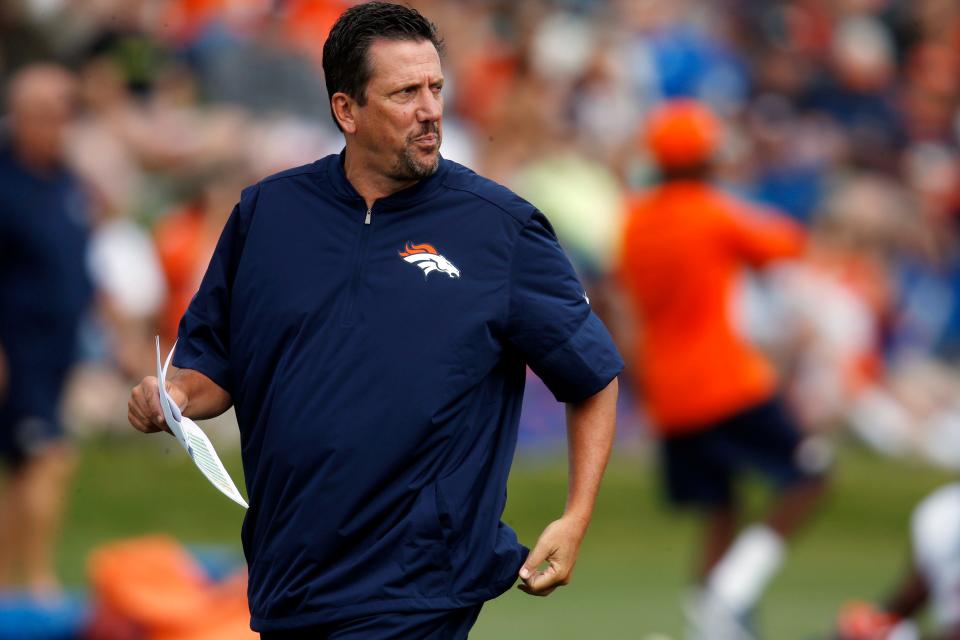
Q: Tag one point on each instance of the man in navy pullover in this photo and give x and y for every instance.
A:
(370, 316)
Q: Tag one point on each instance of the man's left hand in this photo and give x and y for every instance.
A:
(558, 546)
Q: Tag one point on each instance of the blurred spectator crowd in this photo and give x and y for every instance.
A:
(843, 113)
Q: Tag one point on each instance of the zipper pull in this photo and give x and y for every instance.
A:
(369, 215)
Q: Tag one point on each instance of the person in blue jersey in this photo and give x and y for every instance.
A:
(44, 291)
(370, 316)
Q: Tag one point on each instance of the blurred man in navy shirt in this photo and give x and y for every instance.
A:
(44, 290)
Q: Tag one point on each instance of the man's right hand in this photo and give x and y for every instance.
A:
(144, 411)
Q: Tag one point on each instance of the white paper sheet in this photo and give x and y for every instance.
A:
(193, 439)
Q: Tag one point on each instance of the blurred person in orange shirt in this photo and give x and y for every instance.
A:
(711, 396)
(186, 238)
(44, 292)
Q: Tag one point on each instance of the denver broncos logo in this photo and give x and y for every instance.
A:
(428, 259)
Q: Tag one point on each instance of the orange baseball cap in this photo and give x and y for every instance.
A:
(682, 133)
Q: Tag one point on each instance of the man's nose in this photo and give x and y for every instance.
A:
(430, 108)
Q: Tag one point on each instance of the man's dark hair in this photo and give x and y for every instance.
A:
(346, 66)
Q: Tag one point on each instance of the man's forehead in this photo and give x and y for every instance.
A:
(404, 60)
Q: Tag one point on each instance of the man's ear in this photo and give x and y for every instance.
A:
(344, 110)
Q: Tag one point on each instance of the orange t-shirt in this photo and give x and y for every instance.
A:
(184, 248)
(684, 246)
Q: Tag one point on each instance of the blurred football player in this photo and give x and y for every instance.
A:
(931, 581)
(711, 396)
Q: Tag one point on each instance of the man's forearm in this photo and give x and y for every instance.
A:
(201, 398)
(591, 426)
(195, 394)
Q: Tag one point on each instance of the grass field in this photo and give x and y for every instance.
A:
(633, 565)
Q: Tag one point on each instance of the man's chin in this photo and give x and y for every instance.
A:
(428, 157)
(431, 163)
(420, 165)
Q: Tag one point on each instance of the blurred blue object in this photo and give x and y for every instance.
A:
(217, 561)
(795, 189)
(691, 62)
(24, 618)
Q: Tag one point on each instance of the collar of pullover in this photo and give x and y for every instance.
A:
(400, 200)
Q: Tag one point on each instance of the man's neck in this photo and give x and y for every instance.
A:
(370, 183)
(36, 163)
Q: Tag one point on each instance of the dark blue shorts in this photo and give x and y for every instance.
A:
(700, 467)
(411, 625)
(29, 412)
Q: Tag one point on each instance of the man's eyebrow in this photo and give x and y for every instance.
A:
(403, 85)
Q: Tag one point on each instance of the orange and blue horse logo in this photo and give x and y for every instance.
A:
(428, 259)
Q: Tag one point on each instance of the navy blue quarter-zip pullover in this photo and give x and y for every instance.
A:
(376, 361)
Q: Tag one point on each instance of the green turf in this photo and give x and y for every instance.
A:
(633, 565)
